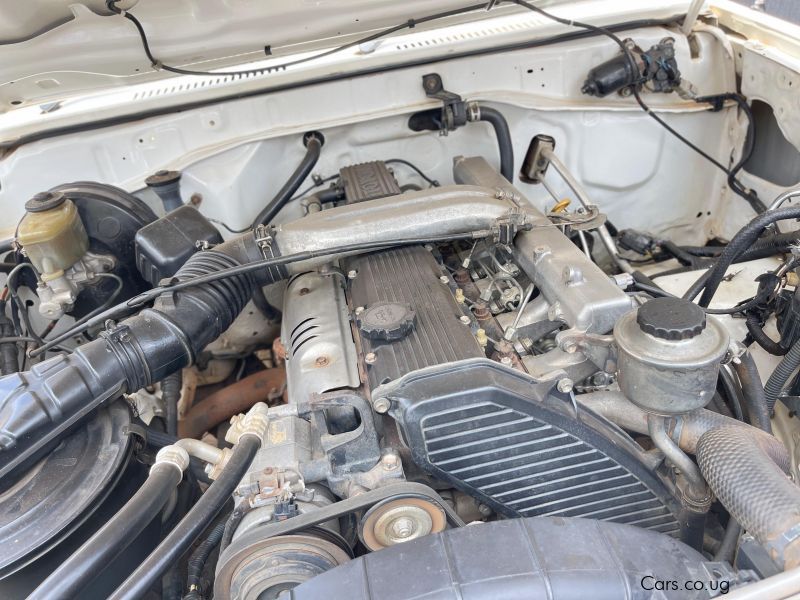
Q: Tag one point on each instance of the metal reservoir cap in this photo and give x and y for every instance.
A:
(670, 352)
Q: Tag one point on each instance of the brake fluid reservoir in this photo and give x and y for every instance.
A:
(52, 234)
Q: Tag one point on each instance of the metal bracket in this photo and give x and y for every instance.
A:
(454, 109)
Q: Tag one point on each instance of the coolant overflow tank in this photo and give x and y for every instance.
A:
(52, 234)
(670, 353)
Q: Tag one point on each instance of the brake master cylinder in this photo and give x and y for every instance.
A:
(54, 239)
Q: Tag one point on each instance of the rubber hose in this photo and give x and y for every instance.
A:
(232, 523)
(730, 540)
(496, 119)
(104, 546)
(171, 394)
(745, 238)
(780, 376)
(193, 524)
(753, 324)
(753, 392)
(9, 352)
(198, 559)
(679, 253)
(732, 392)
(313, 147)
(753, 489)
(260, 301)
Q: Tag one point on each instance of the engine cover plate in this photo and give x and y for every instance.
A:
(519, 447)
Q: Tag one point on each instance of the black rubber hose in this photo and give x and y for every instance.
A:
(313, 142)
(753, 324)
(741, 467)
(767, 246)
(260, 301)
(780, 376)
(9, 352)
(110, 541)
(679, 253)
(743, 240)
(496, 119)
(193, 524)
(755, 399)
(730, 540)
(171, 394)
(232, 522)
(198, 559)
(732, 392)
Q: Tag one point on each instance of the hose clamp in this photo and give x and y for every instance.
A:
(780, 545)
(264, 238)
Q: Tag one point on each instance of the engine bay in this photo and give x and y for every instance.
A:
(509, 342)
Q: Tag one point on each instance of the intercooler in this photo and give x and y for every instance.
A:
(521, 448)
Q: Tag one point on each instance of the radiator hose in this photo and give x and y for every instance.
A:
(741, 470)
(744, 467)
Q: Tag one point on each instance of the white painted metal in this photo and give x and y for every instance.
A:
(237, 154)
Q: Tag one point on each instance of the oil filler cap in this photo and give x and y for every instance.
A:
(388, 321)
(671, 319)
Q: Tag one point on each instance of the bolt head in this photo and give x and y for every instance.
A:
(390, 461)
(565, 385)
(359, 310)
(321, 361)
(465, 320)
(381, 405)
(444, 279)
(506, 360)
(370, 358)
(352, 274)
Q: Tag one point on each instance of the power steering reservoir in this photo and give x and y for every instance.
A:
(670, 353)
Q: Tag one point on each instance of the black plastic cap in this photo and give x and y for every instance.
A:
(671, 319)
(388, 321)
(45, 201)
(162, 177)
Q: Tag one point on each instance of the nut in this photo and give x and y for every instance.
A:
(352, 274)
(403, 527)
(506, 360)
(370, 358)
(359, 310)
(444, 279)
(465, 320)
